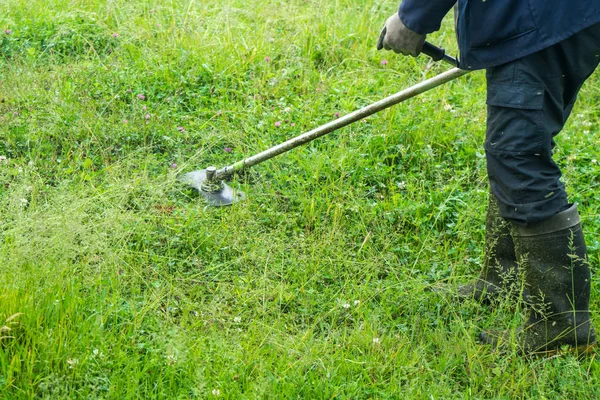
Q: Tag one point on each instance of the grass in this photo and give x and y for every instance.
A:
(118, 282)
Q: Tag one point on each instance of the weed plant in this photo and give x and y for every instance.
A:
(119, 282)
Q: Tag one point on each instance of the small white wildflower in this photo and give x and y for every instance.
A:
(216, 392)
(594, 161)
(24, 202)
(95, 352)
(586, 132)
(237, 320)
(171, 358)
(346, 305)
(72, 362)
(287, 109)
(356, 303)
(3, 159)
(375, 340)
(401, 185)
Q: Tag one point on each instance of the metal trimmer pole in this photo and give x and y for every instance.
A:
(339, 123)
(209, 181)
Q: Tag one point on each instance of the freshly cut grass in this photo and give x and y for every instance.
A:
(118, 282)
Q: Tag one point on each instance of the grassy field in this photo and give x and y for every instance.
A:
(118, 282)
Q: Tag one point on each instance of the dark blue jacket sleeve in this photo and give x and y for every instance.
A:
(424, 16)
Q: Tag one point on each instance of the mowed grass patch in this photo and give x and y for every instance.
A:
(120, 282)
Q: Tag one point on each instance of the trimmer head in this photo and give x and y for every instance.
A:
(216, 192)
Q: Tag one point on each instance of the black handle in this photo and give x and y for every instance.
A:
(437, 54)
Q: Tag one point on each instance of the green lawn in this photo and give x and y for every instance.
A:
(119, 282)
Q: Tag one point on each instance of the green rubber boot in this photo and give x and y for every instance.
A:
(554, 258)
(499, 273)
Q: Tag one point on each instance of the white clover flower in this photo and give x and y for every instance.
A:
(171, 358)
(72, 362)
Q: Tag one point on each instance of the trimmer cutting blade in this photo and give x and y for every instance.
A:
(216, 192)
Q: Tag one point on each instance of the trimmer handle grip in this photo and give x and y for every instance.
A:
(437, 54)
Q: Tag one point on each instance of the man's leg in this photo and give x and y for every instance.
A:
(499, 273)
(529, 101)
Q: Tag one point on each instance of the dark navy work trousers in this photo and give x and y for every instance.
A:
(529, 101)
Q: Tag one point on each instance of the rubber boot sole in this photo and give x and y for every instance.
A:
(498, 342)
(579, 351)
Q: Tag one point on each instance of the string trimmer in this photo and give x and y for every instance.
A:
(210, 181)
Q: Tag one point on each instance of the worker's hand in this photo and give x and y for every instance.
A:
(397, 37)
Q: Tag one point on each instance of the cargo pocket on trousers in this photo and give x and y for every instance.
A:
(515, 118)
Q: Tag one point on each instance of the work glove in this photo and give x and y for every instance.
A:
(397, 37)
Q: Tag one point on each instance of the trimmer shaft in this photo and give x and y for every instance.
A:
(209, 182)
